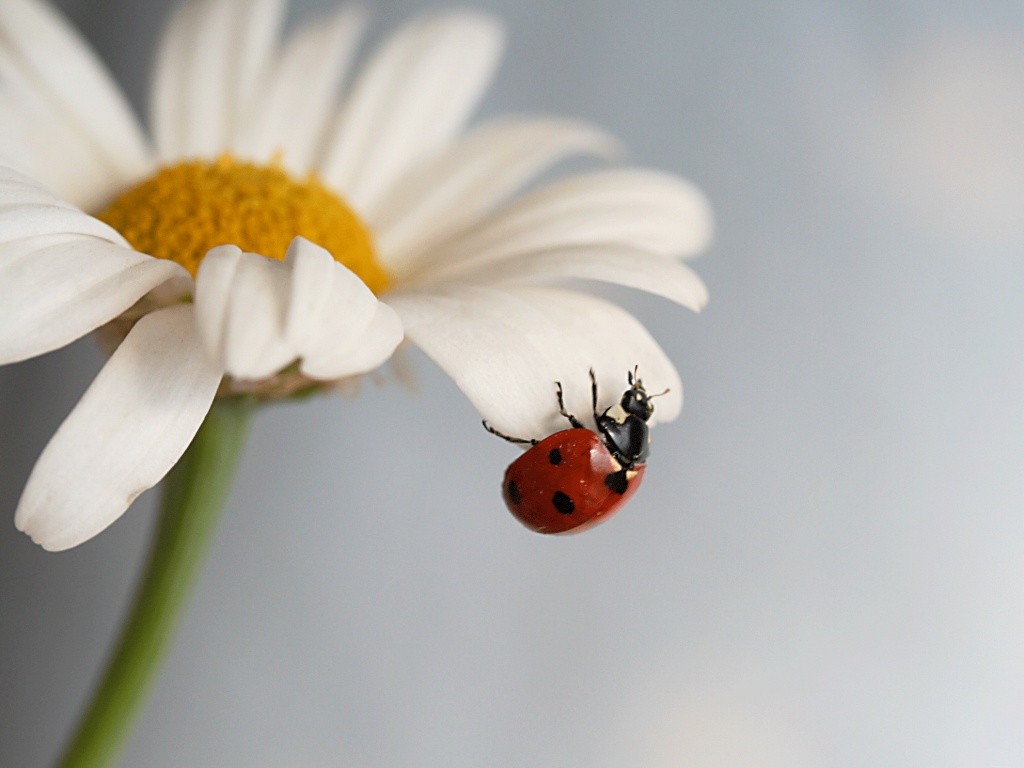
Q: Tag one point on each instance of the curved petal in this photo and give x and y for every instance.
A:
(257, 315)
(212, 296)
(28, 210)
(57, 288)
(506, 347)
(291, 117)
(644, 209)
(18, 220)
(372, 349)
(335, 324)
(241, 300)
(466, 181)
(209, 69)
(610, 264)
(128, 430)
(57, 81)
(62, 273)
(413, 97)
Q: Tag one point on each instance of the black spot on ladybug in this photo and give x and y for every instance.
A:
(563, 503)
(555, 456)
(617, 482)
(513, 492)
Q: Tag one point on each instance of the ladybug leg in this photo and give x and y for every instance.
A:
(503, 436)
(593, 394)
(561, 407)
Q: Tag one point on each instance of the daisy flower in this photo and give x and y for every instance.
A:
(267, 238)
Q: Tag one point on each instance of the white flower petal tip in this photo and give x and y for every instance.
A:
(697, 220)
(506, 347)
(645, 208)
(639, 209)
(257, 315)
(128, 430)
(618, 265)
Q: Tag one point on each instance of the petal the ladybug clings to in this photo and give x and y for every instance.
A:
(576, 478)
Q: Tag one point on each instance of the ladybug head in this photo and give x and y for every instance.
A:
(635, 400)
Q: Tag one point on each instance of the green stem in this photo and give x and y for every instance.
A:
(194, 493)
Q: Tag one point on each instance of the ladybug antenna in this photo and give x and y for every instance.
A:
(651, 397)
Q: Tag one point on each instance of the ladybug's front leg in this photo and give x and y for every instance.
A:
(593, 394)
(561, 407)
(599, 418)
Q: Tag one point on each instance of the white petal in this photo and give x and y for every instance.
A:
(17, 187)
(414, 96)
(241, 301)
(257, 315)
(506, 347)
(167, 119)
(323, 291)
(212, 296)
(70, 88)
(371, 350)
(38, 142)
(211, 63)
(131, 426)
(644, 209)
(28, 209)
(610, 264)
(259, 26)
(57, 288)
(299, 95)
(458, 187)
(254, 345)
(335, 323)
(62, 273)
(31, 219)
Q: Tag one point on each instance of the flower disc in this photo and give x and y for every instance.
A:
(186, 209)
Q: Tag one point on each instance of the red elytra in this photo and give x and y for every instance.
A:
(567, 483)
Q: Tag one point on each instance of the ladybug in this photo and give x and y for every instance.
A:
(577, 478)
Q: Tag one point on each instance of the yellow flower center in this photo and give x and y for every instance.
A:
(187, 209)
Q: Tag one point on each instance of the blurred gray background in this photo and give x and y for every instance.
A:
(825, 567)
